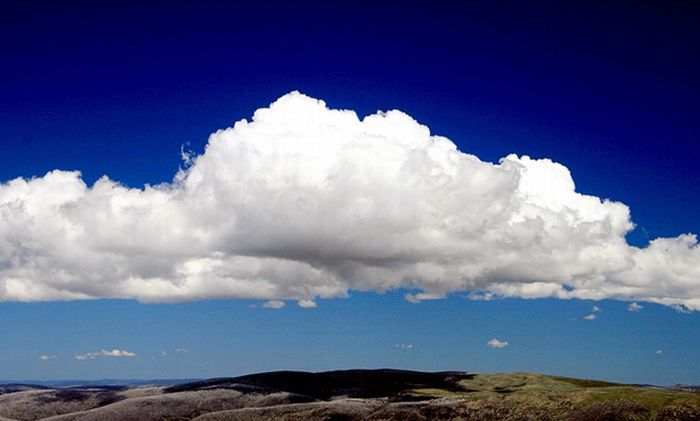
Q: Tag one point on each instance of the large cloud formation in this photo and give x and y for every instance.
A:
(305, 202)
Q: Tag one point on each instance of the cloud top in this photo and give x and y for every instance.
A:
(305, 201)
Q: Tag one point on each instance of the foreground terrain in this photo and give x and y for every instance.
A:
(356, 395)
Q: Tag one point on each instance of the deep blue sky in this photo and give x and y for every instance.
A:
(611, 92)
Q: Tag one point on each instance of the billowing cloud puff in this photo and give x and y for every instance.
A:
(305, 202)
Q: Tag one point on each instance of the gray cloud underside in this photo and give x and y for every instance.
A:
(305, 202)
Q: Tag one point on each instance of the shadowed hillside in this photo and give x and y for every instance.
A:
(357, 395)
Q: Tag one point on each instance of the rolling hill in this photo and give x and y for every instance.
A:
(355, 395)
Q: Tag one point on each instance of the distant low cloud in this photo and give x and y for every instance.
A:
(405, 347)
(273, 304)
(104, 353)
(495, 343)
(634, 307)
(659, 352)
(590, 317)
(181, 350)
(306, 202)
(596, 309)
(47, 357)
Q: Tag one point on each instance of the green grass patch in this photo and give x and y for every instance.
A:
(584, 382)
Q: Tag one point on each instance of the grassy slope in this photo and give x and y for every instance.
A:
(541, 390)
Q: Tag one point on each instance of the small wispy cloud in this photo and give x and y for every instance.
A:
(273, 304)
(404, 346)
(590, 317)
(421, 296)
(480, 296)
(659, 352)
(164, 353)
(680, 308)
(597, 309)
(104, 353)
(495, 343)
(307, 303)
(47, 357)
(634, 307)
(117, 353)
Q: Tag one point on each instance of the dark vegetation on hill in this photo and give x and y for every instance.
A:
(356, 395)
(348, 383)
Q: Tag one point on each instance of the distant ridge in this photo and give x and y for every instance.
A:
(19, 387)
(686, 387)
(36, 384)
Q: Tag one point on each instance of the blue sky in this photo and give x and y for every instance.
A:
(229, 338)
(609, 92)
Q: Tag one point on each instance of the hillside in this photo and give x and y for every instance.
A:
(355, 395)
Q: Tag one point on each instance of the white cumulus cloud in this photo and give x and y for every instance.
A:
(47, 357)
(590, 317)
(104, 353)
(306, 202)
(405, 347)
(495, 343)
